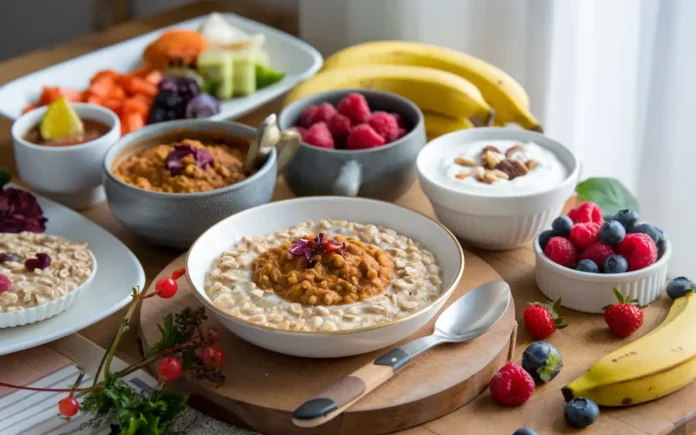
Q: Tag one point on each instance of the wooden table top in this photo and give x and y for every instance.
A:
(669, 415)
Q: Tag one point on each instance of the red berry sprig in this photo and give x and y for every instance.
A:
(170, 368)
(166, 287)
(68, 406)
(212, 356)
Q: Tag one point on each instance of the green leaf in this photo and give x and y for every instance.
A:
(608, 193)
(552, 364)
(5, 177)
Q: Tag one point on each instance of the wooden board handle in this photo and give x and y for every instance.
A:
(349, 390)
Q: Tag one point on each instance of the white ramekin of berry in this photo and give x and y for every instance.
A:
(586, 254)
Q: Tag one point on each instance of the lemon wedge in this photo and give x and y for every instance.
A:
(60, 121)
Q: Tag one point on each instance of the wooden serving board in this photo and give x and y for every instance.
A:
(264, 387)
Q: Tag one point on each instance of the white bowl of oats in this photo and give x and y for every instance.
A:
(325, 276)
(41, 275)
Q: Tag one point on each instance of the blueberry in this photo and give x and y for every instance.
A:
(649, 230)
(587, 265)
(542, 361)
(628, 218)
(611, 233)
(562, 225)
(544, 238)
(580, 412)
(525, 431)
(678, 287)
(609, 217)
(167, 99)
(615, 264)
(662, 243)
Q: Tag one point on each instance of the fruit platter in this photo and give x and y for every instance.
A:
(398, 247)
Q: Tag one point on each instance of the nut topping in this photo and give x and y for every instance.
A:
(513, 168)
(500, 174)
(489, 177)
(463, 161)
(490, 148)
(478, 173)
(490, 158)
(531, 164)
(462, 175)
(517, 148)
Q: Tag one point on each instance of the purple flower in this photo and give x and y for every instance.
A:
(41, 261)
(310, 248)
(174, 161)
(8, 256)
(19, 211)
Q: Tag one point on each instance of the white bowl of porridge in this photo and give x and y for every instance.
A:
(41, 275)
(497, 188)
(325, 276)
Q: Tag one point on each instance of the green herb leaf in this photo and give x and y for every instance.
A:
(608, 193)
(552, 364)
(5, 177)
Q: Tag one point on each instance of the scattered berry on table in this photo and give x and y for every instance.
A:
(628, 218)
(542, 361)
(676, 288)
(525, 431)
(623, 317)
(339, 126)
(68, 406)
(615, 264)
(584, 235)
(648, 229)
(512, 385)
(580, 412)
(170, 368)
(319, 135)
(178, 273)
(560, 250)
(562, 225)
(399, 119)
(355, 107)
(638, 249)
(213, 335)
(362, 137)
(385, 125)
(588, 266)
(544, 238)
(308, 115)
(612, 232)
(166, 287)
(586, 212)
(598, 253)
(5, 283)
(542, 319)
(324, 113)
(212, 356)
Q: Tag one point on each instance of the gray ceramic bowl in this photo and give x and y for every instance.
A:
(177, 219)
(383, 173)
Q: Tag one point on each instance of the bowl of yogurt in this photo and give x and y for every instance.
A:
(497, 187)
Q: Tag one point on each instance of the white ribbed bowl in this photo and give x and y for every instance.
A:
(49, 309)
(494, 222)
(590, 292)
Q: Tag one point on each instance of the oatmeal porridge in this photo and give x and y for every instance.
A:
(38, 268)
(325, 276)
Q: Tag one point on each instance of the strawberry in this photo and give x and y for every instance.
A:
(624, 317)
(542, 320)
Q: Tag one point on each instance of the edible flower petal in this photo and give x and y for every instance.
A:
(313, 246)
(41, 261)
(8, 256)
(174, 161)
(19, 211)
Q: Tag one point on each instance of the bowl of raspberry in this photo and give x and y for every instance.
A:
(355, 142)
(586, 254)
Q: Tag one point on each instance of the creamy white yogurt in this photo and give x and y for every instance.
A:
(549, 170)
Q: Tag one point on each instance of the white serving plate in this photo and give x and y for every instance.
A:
(119, 271)
(291, 55)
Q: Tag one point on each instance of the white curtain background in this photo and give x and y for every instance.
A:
(611, 79)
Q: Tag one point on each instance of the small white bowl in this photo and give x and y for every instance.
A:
(493, 222)
(71, 175)
(49, 309)
(591, 292)
(277, 216)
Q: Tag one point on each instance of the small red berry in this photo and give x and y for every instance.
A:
(355, 107)
(319, 136)
(307, 115)
(178, 273)
(561, 251)
(586, 212)
(324, 113)
(385, 125)
(597, 252)
(363, 137)
(623, 318)
(512, 385)
(68, 406)
(639, 250)
(213, 335)
(542, 320)
(339, 126)
(212, 356)
(170, 368)
(584, 235)
(166, 287)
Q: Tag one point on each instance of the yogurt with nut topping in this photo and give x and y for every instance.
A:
(502, 168)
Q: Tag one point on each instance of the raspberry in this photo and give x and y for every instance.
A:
(638, 249)
(319, 135)
(512, 385)
(586, 212)
(561, 251)
(385, 125)
(324, 113)
(355, 107)
(301, 130)
(339, 126)
(597, 252)
(399, 119)
(584, 235)
(362, 137)
(307, 115)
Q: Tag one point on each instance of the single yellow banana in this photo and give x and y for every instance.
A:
(436, 125)
(502, 92)
(430, 89)
(657, 364)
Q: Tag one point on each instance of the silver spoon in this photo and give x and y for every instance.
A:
(267, 135)
(467, 318)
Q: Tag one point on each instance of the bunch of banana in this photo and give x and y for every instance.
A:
(659, 363)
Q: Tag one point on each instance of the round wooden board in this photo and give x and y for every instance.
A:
(262, 388)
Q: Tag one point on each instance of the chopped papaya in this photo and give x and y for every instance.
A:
(137, 85)
(117, 93)
(109, 73)
(113, 104)
(131, 121)
(102, 86)
(137, 105)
